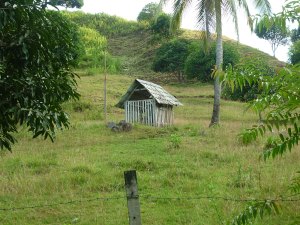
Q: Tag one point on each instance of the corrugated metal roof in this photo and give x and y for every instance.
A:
(157, 92)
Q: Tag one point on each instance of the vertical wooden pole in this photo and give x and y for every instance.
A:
(105, 78)
(133, 203)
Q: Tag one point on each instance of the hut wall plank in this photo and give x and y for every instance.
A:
(149, 113)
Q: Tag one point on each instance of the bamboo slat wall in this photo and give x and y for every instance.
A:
(164, 116)
(147, 112)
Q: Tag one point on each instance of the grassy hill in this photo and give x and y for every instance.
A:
(133, 44)
(137, 51)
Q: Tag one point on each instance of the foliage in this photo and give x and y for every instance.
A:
(254, 210)
(295, 34)
(271, 32)
(248, 92)
(295, 185)
(281, 94)
(170, 57)
(95, 54)
(294, 52)
(148, 13)
(38, 49)
(105, 24)
(42, 4)
(161, 26)
(200, 63)
(67, 3)
(279, 99)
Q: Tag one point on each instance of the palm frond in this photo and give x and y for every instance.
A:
(179, 7)
(161, 4)
(244, 6)
(206, 21)
(231, 9)
(263, 6)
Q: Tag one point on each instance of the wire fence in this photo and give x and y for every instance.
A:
(70, 202)
(291, 198)
(111, 210)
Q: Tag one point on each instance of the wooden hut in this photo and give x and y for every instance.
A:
(148, 103)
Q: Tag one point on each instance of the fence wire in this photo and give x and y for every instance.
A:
(63, 203)
(150, 197)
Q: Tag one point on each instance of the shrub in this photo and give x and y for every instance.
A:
(161, 26)
(94, 53)
(94, 46)
(294, 52)
(170, 57)
(295, 34)
(199, 64)
(105, 24)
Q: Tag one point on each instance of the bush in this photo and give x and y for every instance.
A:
(94, 53)
(295, 35)
(161, 26)
(200, 64)
(170, 57)
(105, 24)
(294, 52)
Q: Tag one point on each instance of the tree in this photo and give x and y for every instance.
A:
(210, 14)
(273, 33)
(65, 3)
(295, 34)
(280, 101)
(148, 13)
(38, 48)
(170, 57)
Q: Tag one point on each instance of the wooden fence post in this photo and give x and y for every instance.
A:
(133, 203)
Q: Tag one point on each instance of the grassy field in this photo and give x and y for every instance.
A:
(185, 160)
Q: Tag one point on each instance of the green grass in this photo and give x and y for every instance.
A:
(88, 161)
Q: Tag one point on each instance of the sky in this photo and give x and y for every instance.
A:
(129, 9)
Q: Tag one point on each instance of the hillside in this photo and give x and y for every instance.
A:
(137, 51)
(133, 44)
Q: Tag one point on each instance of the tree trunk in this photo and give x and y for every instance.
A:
(215, 119)
(180, 76)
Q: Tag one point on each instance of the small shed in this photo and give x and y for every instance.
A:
(148, 103)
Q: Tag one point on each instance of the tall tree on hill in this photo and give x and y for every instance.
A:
(210, 13)
(148, 13)
(273, 33)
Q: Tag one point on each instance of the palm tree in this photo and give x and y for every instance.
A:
(210, 14)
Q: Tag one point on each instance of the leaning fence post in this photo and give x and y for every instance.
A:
(133, 203)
